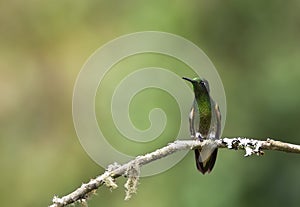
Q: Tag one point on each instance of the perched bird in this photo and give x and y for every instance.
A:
(205, 123)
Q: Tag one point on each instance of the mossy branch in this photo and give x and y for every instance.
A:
(131, 169)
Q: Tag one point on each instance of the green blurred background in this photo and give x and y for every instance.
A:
(255, 45)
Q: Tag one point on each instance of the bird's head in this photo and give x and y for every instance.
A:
(198, 84)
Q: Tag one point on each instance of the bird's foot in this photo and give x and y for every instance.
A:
(199, 137)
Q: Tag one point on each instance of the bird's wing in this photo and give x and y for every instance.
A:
(215, 128)
(194, 119)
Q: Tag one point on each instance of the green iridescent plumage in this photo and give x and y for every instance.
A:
(205, 123)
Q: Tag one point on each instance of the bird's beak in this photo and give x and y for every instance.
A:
(190, 80)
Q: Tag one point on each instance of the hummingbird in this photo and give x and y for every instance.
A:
(205, 123)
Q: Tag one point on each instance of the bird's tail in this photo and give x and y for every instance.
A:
(205, 162)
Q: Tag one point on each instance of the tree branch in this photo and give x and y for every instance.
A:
(131, 169)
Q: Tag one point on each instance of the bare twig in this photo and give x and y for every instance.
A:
(131, 169)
